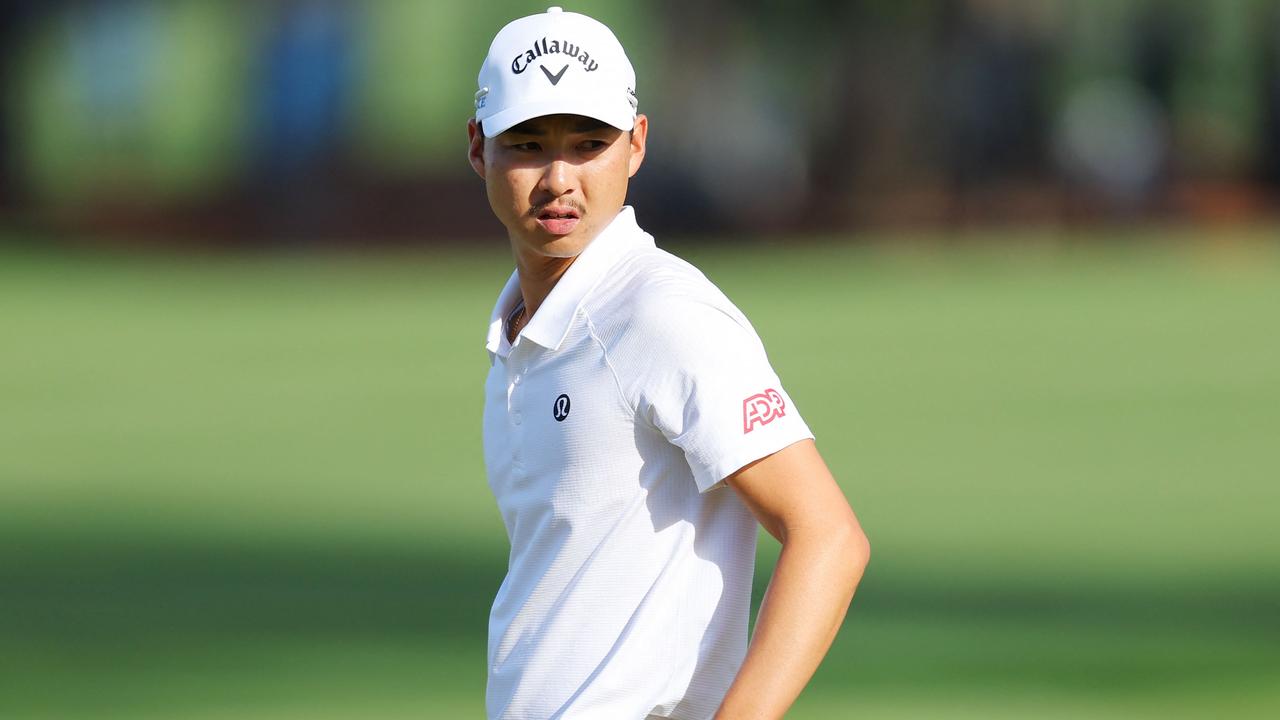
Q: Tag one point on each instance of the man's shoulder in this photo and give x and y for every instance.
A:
(644, 266)
(651, 285)
(657, 301)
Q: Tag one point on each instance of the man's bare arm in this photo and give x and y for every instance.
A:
(824, 551)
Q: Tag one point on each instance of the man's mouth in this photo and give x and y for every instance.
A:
(559, 219)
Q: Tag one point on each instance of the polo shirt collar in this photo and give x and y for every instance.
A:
(550, 324)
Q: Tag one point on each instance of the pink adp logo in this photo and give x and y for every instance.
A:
(762, 409)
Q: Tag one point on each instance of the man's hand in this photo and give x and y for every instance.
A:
(824, 551)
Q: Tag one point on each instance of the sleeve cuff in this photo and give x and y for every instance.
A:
(711, 476)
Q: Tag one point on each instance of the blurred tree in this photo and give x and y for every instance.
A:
(302, 95)
(1217, 108)
(1269, 51)
(15, 17)
(134, 101)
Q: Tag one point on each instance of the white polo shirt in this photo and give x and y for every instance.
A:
(609, 426)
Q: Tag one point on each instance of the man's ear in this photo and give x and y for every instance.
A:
(475, 147)
(639, 136)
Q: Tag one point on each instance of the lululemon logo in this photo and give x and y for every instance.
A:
(561, 408)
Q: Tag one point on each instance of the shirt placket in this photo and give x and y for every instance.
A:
(517, 374)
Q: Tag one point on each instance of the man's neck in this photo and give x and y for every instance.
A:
(538, 275)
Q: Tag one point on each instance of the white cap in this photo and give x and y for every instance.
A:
(553, 63)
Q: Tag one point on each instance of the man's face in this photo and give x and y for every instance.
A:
(556, 181)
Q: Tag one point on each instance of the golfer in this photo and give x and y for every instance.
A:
(634, 431)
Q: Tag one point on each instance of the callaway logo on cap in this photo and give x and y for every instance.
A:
(555, 63)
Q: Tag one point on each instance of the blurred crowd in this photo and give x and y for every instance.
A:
(328, 121)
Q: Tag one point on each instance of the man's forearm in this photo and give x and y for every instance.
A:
(806, 601)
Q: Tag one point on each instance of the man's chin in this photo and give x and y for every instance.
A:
(556, 246)
(565, 246)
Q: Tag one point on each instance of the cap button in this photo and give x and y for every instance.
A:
(555, 9)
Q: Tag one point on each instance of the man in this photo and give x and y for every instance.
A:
(634, 431)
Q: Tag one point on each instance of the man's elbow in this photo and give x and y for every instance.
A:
(861, 549)
(855, 547)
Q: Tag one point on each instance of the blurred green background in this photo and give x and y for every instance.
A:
(251, 487)
(1017, 263)
(321, 122)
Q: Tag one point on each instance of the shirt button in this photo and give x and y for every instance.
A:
(516, 379)
(515, 418)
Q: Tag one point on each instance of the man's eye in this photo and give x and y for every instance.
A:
(592, 145)
(526, 147)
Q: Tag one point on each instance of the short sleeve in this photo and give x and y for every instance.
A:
(706, 383)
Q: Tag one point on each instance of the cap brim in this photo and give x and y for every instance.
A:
(619, 115)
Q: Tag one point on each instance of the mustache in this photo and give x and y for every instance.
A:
(539, 208)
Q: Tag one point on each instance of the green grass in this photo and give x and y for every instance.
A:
(252, 487)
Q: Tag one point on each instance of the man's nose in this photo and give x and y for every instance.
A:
(557, 178)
